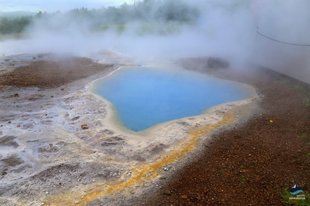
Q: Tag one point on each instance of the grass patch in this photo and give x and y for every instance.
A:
(286, 199)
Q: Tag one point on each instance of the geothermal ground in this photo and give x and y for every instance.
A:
(60, 145)
(253, 163)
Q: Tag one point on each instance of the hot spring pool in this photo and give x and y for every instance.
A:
(144, 97)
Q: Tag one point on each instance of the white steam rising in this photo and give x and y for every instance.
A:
(287, 22)
(224, 28)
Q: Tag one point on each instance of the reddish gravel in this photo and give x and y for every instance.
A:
(251, 164)
(52, 73)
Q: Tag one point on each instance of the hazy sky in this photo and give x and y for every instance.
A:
(54, 5)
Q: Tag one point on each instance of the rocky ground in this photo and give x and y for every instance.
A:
(253, 163)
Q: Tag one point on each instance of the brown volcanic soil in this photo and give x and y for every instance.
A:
(253, 163)
(52, 73)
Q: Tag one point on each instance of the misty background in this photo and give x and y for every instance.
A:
(151, 31)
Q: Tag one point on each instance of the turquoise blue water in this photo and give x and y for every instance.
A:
(146, 97)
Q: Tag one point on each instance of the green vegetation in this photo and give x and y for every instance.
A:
(14, 25)
(286, 199)
(148, 16)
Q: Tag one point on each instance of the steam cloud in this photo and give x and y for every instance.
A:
(221, 28)
(288, 22)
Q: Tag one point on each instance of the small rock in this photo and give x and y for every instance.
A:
(84, 126)
(166, 169)
(184, 196)
(168, 193)
(75, 118)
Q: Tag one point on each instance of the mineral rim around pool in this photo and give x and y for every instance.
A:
(144, 97)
